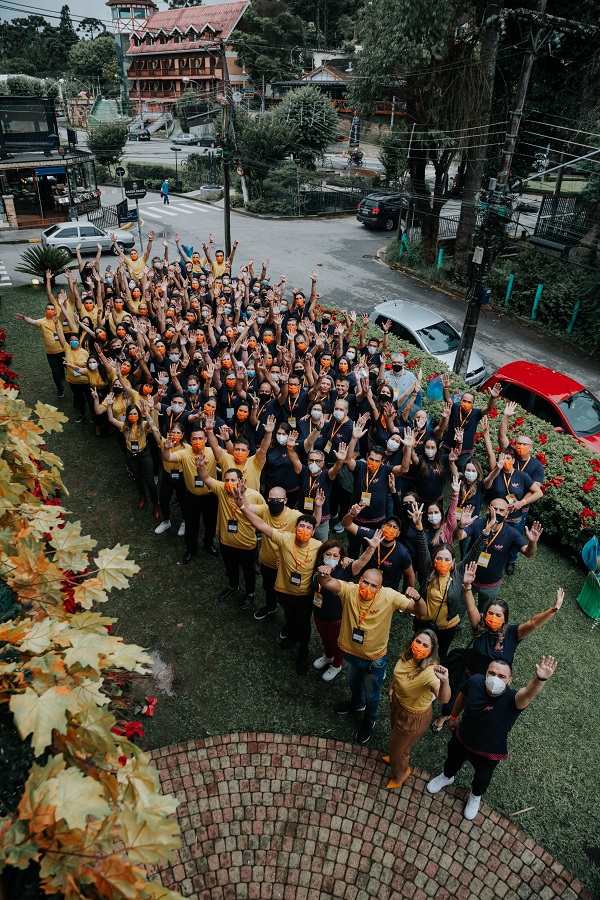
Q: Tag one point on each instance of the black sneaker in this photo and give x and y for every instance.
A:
(226, 594)
(263, 612)
(79, 419)
(347, 706)
(211, 550)
(283, 634)
(287, 643)
(247, 601)
(302, 662)
(364, 732)
(61, 396)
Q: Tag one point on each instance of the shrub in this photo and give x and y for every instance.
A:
(38, 259)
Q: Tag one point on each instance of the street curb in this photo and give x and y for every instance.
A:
(250, 215)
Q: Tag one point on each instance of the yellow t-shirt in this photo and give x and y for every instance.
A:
(250, 470)
(376, 624)
(186, 459)
(233, 527)
(119, 409)
(269, 552)
(49, 332)
(293, 561)
(96, 379)
(78, 357)
(436, 591)
(136, 437)
(92, 313)
(136, 267)
(413, 689)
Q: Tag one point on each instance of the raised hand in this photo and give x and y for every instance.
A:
(446, 410)
(392, 483)
(292, 439)
(546, 667)
(502, 457)
(416, 514)
(441, 673)
(270, 424)
(485, 425)
(356, 509)
(455, 484)
(560, 596)
(454, 454)
(467, 516)
(375, 541)
(446, 380)
(534, 533)
(510, 408)
(341, 451)
(386, 326)
(496, 390)
(470, 573)
(459, 434)
(319, 497)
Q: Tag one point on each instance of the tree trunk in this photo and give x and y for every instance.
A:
(475, 156)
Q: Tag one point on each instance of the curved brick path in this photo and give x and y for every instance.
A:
(304, 818)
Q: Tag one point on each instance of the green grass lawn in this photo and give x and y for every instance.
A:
(229, 674)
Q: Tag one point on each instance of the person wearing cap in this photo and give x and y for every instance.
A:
(483, 716)
(49, 328)
(391, 557)
(367, 610)
(135, 264)
(465, 417)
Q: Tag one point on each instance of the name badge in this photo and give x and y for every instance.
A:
(55, 336)
(65, 323)
(292, 421)
(328, 447)
(318, 600)
(175, 475)
(198, 483)
(396, 393)
(458, 512)
(76, 371)
(295, 579)
(232, 526)
(358, 635)
(484, 560)
(134, 446)
(309, 504)
(229, 412)
(365, 498)
(510, 498)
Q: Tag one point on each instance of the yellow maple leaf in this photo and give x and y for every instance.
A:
(41, 636)
(141, 788)
(79, 796)
(38, 715)
(49, 417)
(114, 567)
(90, 592)
(42, 519)
(86, 648)
(36, 806)
(156, 891)
(13, 632)
(90, 691)
(150, 839)
(16, 849)
(91, 621)
(71, 546)
(116, 879)
(128, 656)
(93, 735)
(10, 490)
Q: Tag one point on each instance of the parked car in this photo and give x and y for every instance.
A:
(68, 235)
(428, 331)
(206, 140)
(186, 139)
(561, 401)
(139, 134)
(381, 210)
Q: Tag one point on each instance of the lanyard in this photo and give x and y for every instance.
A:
(419, 437)
(295, 403)
(230, 396)
(335, 430)
(363, 616)
(382, 421)
(373, 475)
(297, 560)
(493, 536)
(381, 561)
(173, 420)
(465, 494)
(522, 468)
(462, 421)
(507, 481)
(313, 482)
(233, 507)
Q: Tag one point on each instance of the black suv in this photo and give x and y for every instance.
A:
(381, 210)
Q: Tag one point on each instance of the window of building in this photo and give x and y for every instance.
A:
(139, 14)
(125, 13)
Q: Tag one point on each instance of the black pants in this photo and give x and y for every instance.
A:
(81, 396)
(236, 559)
(484, 768)
(168, 485)
(56, 361)
(297, 610)
(445, 637)
(268, 579)
(339, 501)
(140, 466)
(195, 507)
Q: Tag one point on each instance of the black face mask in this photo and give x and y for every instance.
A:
(397, 367)
(275, 506)
(500, 517)
(117, 390)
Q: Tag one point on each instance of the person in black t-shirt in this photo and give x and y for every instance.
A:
(489, 708)
(465, 416)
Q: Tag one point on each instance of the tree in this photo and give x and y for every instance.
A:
(107, 142)
(263, 143)
(24, 86)
(393, 153)
(92, 57)
(265, 40)
(91, 26)
(314, 120)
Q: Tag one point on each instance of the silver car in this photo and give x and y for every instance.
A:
(68, 235)
(186, 139)
(428, 331)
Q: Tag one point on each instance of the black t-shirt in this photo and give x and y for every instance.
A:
(279, 469)
(390, 564)
(485, 650)
(330, 609)
(375, 484)
(430, 484)
(532, 467)
(486, 720)
(309, 485)
(470, 495)
(294, 408)
(333, 434)
(499, 548)
(517, 483)
(468, 422)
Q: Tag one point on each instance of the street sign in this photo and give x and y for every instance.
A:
(135, 190)
(248, 90)
(120, 171)
(130, 216)
(236, 97)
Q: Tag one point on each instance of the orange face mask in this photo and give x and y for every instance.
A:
(240, 456)
(442, 566)
(169, 335)
(252, 345)
(508, 464)
(466, 406)
(142, 311)
(198, 444)
(269, 338)
(161, 349)
(493, 621)
(176, 437)
(125, 368)
(147, 389)
(372, 465)
(208, 410)
(133, 418)
(419, 651)
(303, 534)
(88, 305)
(293, 389)
(326, 363)
(49, 313)
(301, 346)
(343, 367)
(170, 313)
(522, 450)
(226, 363)
(101, 335)
(230, 382)
(389, 532)
(242, 415)
(229, 486)
(365, 592)
(118, 305)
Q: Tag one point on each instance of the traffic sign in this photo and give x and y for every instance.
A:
(120, 171)
(135, 190)
(236, 97)
(248, 90)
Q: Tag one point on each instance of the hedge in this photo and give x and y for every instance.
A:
(570, 506)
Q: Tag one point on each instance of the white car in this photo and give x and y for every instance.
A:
(68, 235)
(428, 331)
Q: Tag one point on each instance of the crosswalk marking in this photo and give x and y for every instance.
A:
(152, 215)
(160, 210)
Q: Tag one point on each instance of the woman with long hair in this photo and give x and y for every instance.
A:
(418, 680)
(139, 460)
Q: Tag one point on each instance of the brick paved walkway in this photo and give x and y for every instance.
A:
(299, 818)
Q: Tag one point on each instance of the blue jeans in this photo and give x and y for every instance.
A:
(520, 527)
(365, 678)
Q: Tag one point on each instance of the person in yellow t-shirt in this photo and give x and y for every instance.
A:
(136, 265)
(76, 360)
(367, 610)
(49, 330)
(237, 537)
(297, 555)
(250, 466)
(139, 461)
(418, 680)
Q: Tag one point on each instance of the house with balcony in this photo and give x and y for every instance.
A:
(174, 50)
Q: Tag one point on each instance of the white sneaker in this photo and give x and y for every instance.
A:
(156, 477)
(472, 807)
(162, 527)
(339, 528)
(322, 662)
(181, 531)
(331, 672)
(440, 781)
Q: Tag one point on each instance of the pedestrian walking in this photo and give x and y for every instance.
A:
(164, 191)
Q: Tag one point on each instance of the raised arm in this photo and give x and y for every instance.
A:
(494, 394)
(291, 449)
(248, 513)
(544, 670)
(467, 582)
(540, 619)
(261, 453)
(509, 410)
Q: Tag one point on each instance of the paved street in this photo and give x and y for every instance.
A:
(343, 253)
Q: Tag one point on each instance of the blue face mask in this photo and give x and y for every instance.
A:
(74, 344)
(251, 373)
(193, 388)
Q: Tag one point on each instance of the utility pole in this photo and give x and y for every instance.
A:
(482, 255)
(393, 112)
(229, 144)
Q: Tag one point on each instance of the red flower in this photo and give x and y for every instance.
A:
(493, 413)
(595, 464)
(568, 459)
(122, 759)
(519, 420)
(413, 363)
(405, 353)
(542, 438)
(590, 484)
(541, 457)
(388, 366)
(587, 513)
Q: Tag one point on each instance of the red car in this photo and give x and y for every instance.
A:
(563, 402)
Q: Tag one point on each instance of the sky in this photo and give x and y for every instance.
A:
(17, 9)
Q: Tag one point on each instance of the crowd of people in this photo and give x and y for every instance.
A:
(244, 410)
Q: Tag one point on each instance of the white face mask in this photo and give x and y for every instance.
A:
(470, 477)
(275, 378)
(177, 408)
(393, 445)
(313, 468)
(282, 439)
(260, 320)
(494, 685)
(338, 414)
(350, 355)
(328, 561)
(93, 365)
(372, 350)
(430, 453)
(316, 414)
(435, 518)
